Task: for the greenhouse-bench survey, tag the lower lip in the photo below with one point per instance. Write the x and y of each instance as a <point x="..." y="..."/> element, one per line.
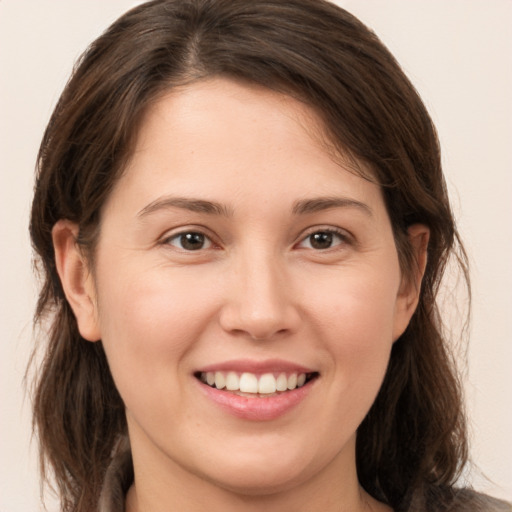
<point x="257" y="409"/>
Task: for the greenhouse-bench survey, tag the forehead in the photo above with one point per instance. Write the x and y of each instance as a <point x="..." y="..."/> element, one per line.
<point x="224" y="138"/>
<point x="235" y="109"/>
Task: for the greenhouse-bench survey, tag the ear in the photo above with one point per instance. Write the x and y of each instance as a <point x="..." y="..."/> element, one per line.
<point x="410" y="287"/>
<point x="76" y="279"/>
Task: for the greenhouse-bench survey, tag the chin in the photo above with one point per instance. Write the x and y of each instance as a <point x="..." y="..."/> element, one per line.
<point x="259" y="473"/>
<point x="259" y="481"/>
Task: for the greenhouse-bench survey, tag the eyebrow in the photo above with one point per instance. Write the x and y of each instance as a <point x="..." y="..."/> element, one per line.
<point x="325" y="203"/>
<point x="193" y="205"/>
<point x="301" y="207"/>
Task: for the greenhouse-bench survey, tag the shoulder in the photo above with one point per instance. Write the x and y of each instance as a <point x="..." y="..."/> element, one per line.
<point x="457" y="500"/>
<point x="467" y="500"/>
<point x="483" y="503"/>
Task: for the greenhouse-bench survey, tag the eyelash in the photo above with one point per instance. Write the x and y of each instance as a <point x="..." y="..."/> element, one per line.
<point x="343" y="239"/>
<point x="168" y="240"/>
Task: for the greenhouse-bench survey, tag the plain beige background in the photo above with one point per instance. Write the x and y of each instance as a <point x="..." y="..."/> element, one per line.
<point x="457" y="53"/>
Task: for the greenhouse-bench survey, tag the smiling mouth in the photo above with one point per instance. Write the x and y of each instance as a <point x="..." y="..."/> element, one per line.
<point x="254" y="385"/>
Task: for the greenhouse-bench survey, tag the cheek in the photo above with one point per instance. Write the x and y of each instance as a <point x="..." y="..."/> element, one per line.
<point x="351" y="319"/>
<point x="358" y="301"/>
<point x="354" y="313"/>
<point x="150" y="323"/>
<point x="149" y="320"/>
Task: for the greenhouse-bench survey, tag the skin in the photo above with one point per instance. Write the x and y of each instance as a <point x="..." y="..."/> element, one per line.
<point x="257" y="289"/>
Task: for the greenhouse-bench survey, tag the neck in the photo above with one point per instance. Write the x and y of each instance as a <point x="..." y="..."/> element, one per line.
<point x="364" y="503"/>
<point x="240" y="503"/>
<point x="161" y="485"/>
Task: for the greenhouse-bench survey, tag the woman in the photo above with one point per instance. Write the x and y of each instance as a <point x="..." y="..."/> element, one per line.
<point x="242" y="221"/>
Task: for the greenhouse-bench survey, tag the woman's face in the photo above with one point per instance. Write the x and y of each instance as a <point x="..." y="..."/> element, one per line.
<point x="236" y="248"/>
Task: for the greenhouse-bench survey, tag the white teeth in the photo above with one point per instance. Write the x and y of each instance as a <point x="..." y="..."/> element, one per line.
<point x="220" y="380"/>
<point x="266" y="384"/>
<point x="292" y="381"/>
<point x="232" y="382"/>
<point x="282" y="382"/>
<point x="248" y="383"/>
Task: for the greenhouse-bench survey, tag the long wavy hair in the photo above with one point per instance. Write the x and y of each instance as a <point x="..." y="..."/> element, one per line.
<point x="412" y="444"/>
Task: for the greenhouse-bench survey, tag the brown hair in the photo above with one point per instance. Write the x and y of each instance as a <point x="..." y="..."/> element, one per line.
<point x="412" y="444"/>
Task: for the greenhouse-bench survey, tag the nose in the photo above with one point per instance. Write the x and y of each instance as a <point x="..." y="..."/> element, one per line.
<point x="259" y="302"/>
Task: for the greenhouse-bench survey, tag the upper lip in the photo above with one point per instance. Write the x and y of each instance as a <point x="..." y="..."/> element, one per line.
<point x="257" y="367"/>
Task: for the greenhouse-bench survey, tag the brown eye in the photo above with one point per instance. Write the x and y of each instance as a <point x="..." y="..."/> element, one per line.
<point x="321" y="240"/>
<point x="190" y="241"/>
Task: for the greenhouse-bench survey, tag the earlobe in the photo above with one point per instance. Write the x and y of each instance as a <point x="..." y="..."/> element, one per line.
<point x="410" y="287"/>
<point x="76" y="278"/>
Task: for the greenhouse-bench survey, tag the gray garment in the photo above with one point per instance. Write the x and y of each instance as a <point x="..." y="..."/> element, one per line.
<point x="119" y="478"/>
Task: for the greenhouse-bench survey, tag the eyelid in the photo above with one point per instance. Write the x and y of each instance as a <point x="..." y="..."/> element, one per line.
<point x="343" y="234"/>
<point x="182" y="230"/>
